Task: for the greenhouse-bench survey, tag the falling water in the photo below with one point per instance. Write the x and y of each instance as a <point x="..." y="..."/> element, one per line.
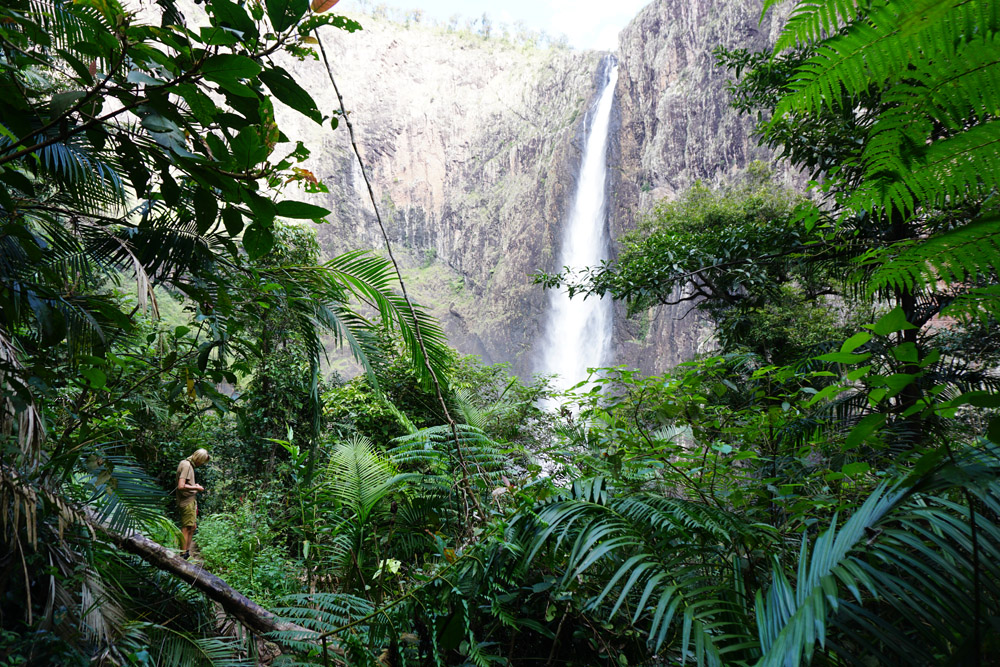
<point x="578" y="332"/>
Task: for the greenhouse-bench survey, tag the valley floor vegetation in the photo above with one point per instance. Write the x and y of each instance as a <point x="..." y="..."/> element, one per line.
<point x="824" y="489"/>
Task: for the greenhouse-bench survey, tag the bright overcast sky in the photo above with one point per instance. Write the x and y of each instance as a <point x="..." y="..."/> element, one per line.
<point x="589" y="24"/>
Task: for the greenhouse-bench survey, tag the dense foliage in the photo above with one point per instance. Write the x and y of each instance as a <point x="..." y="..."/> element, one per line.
<point x="823" y="489"/>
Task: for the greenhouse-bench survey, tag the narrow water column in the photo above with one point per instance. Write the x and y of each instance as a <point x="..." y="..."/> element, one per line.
<point x="578" y="331"/>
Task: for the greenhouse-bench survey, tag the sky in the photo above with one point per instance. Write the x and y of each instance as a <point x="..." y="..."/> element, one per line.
<point x="588" y="24"/>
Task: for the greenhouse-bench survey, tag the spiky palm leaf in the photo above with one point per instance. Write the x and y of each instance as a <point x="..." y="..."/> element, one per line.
<point x="911" y="553"/>
<point x="666" y="564"/>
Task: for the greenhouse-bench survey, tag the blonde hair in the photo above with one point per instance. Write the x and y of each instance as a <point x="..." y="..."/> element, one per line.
<point x="199" y="457"/>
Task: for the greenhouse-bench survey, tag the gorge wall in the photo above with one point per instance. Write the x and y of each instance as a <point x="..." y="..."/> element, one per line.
<point x="472" y="146"/>
<point x="676" y="127"/>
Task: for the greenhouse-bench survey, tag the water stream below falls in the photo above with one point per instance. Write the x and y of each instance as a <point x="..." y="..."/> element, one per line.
<point x="578" y="331"/>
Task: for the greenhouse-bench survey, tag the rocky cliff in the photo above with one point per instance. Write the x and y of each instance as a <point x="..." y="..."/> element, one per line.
<point x="472" y="147"/>
<point x="675" y="128"/>
<point x="473" y="144"/>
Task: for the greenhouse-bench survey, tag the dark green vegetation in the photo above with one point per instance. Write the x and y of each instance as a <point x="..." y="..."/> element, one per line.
<point x="823" y="491"/>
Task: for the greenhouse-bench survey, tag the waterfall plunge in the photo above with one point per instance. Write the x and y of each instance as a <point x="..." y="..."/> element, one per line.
<point x="578" y="331"/>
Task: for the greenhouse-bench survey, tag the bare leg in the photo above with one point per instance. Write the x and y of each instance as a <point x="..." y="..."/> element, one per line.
<point x="188" y="534"/>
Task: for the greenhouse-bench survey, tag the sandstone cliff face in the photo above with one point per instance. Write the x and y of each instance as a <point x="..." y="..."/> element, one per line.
<point x="472" y="147"/>
<point x="675" y="128"/>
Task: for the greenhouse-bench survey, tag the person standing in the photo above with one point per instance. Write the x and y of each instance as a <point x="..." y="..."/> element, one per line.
<point x="187" y="503"/>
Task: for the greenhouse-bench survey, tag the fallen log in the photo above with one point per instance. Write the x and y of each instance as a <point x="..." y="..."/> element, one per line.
<point x="243" y="609"/>
<point x="239" y="606"/>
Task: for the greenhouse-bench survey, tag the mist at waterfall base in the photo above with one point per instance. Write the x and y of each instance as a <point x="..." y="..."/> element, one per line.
<point x="578" y="331"/>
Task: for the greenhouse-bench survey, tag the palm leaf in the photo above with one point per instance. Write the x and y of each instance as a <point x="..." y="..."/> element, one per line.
<point x="908" y="549"/>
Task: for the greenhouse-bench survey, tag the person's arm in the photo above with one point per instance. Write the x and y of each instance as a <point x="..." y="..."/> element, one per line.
<point x="183" y="485"/>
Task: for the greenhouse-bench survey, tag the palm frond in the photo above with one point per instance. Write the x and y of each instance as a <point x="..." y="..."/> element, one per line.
<point x="174" y="648"/>
<point x="125" y="498"/>
<point x="656" y="566"/>
<point x="370" y="278"/>
<point x="907" y="548"/>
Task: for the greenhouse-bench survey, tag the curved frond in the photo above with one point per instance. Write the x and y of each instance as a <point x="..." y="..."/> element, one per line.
<point x="906" y="549"/>
<point x="656" y="565"/>
<point x="965" y="254"/>
<point x="358" y="476"/>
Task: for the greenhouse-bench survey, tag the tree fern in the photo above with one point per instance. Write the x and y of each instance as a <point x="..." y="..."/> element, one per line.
<point x="960" y="256"/>
<point x="812" y="21"/>
<point x="933" y="70"/>
<point x="920" y="82"/>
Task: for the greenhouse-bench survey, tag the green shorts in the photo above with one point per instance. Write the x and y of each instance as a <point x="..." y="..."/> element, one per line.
<point x="189" y="515"/>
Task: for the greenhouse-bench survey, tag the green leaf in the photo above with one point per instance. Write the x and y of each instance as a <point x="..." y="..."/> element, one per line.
<point x="81" y="70"/>
<point x="895" y="382"/>
<point x="843" y="357"/>
<point x="155" y="122"/>
<point x="262" y="207"/>
<point x="286" y="89"/>
<point x="95" y="377"/>
<point x="229" y="14"/>
<point x="300" y="210"/>
<point x="858" y="373"/>
<point x="906" y="352"/>
<point x="993" y="431"/>
<point x="169" y="188"/>
<point x="218" y="37"/>
<point x="206" y="208"/>
<point x="247" y="149"/>
<point x="201" y="105"/>
<point x="18" y="180"/>
<point x="856" y="468"/>
<point x="864" y="429"/>
<point x="855" y="341"/>
<point x="979" y="399"/>
<point x="63" y="101"/>
<point x="258" y="240"/>
<point x="894" y="320"/>
<point x="233" y="220"/>
<point x="286" y="13"/>
<point x="229" y="67"/>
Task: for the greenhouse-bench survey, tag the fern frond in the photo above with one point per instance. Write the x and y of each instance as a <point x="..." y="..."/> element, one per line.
<point x="963" y="166"/>
<point x="813" y="21"/>
<point x="961" y="255"/>
<point x="877" y="49"/>
<point x="323" y="612"/>
<point x="358" y="476"/>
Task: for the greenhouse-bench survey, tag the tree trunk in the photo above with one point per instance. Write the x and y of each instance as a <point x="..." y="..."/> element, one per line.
<point x="243" y="609"/>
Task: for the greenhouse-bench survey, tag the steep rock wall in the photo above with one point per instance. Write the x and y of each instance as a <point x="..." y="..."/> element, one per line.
<point x="472" y="147"/>
<point x="675" y="127"/>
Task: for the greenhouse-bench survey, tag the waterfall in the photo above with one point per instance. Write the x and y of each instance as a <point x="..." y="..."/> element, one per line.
<point x="578" y="331"/>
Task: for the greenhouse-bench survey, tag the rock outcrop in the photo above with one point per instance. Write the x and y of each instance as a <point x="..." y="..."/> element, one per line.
<point x="676" y="128"/>
<point x="473" y="145"/>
